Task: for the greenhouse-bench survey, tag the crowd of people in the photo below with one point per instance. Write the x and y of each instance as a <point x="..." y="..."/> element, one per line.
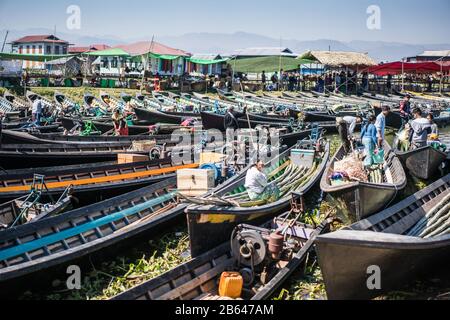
<point x="418" y="130"/>
<point x="345" y="82"/>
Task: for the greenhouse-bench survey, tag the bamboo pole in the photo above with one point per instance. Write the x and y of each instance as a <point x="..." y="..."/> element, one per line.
<point x="403" y="74"/>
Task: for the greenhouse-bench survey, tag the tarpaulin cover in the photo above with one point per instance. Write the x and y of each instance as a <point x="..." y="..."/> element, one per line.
<point x="395" y="68"/>
<point x="207" y="62"/>
<point x="115" y="52"/>
<point x="268" y="64"/>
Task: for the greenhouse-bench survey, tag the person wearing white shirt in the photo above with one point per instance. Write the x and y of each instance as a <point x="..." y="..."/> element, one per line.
<point x="352" y="122"/>
<point x="256" y="181"/>
<point x="36" y="110"/>
<point x="380" y="124"/>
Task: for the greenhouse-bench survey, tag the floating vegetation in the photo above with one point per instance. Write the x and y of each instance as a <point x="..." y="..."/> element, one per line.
<point x="113" y="277"/>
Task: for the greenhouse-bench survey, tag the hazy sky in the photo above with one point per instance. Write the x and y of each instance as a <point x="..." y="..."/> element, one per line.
<point x="407" y="21"/>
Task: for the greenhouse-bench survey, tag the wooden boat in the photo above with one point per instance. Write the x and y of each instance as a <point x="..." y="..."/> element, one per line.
<point x="312" y="116"/>
<point x="226" y="96"/>
<point x="155" y="116"/>
<point x="215" y="121"/>
<point x="199" y="278"/>
<point x="210" y="224"/>
<point x="6" y="106"/>
<point x="105" y="127"/>
<point x="29" y="209"/>
<point x="134" y="101"/>
<point x="63" y="101"/>
<point x="18" y="103"/>
<point x="358" y="200"/>
<point x="27" y="250"/>
<point x="41" y="155"/>
<point x="14" y="137"/>
<point x="26" y="126"/>
<point x="30" y="249"/>
<point x="30" y="95"/>
<point x="423" y="162"/>
<point x="346" y="256"/>
<point x="108" y="100"/>
<point x="92" y="102"/>
<point x="90" y="181"/>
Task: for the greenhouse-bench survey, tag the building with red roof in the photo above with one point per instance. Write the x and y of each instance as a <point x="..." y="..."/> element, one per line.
<point x="91" y="48"/>
<point x="39" y="45"/>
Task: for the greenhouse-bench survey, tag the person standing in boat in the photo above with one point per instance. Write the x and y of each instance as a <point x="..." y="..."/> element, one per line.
<point x="380" y="124"/>
<point x="421" y="128"/>
<point x="36" y="110"/>
<point x="346" y="128"/>
<point x="434" y="126"/>
<point x="369" y="140"/>
<point x="120" y="123"/>
<point x="352" y="122"/>
<point x="405" y="110"/>
<point x="257" y="185"/>
<point x="263" y="80"/>
<point x="231" y="122"/>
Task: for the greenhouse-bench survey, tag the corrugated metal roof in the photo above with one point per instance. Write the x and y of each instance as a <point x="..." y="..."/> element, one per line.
<point x="206" y="56"/>
<point x="40" y="38"/>
<point x="264" y="51"/>
<point x="143" y="47"/>
<point x="437" y="54"/>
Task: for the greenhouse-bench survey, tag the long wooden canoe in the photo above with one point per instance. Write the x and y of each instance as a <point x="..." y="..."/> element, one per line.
<point x="56" y="242"/>
<point x="42" y="155"/>
<point x="198" y="279"/>
<point x="423" y="162"/>
<point x="90" y="181"/>
<point x="380" y="244"/>
<point x="210" y="225"/>
<point x="358" y="200"/>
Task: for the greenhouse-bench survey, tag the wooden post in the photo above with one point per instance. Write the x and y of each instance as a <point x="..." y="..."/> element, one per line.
<point x="403" y="74"/>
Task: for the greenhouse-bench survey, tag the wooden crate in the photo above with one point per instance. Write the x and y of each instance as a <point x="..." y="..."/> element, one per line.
<point x="123" y="158"/>
<point x="143" y="146"/>
<point x="195" y="182"/>
<point x="211" y="157"/>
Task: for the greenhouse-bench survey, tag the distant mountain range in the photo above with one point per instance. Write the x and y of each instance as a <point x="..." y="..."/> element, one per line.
<point x="226" y="43"/>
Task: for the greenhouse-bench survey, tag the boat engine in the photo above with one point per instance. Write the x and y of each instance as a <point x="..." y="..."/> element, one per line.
<point x="260" y="252"/>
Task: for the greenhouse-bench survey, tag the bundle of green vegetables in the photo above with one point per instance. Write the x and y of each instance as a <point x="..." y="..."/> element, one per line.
<point x="436" y="222"/>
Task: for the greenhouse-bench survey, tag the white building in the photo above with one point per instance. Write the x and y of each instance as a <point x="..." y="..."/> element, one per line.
<point x="39" y="45"/>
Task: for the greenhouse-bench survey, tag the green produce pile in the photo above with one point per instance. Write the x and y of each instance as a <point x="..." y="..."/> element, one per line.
<point x="125" y="272"/>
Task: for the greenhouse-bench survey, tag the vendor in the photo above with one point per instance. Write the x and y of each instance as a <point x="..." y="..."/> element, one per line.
<point x="405" y="110"/>
<point x="120" y="123"/>
<point x="351" y="124"/>
<point x="421" y="128"/>
<point x="434" y="126"/>
<point x="231" y="122"/>
<point x="380" y="124"/>
<point x="257" y="185"/>
<point x="342" y="127"/>
<point x="369" y="140"/>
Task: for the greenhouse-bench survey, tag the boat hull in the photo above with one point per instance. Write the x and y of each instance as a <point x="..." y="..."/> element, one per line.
<point x="348" y="257"/>
<point x="209" y="226"/>
<point x="424" y="162"/>
<point x="358" y="200"/>
<point x="398" y="258"/>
